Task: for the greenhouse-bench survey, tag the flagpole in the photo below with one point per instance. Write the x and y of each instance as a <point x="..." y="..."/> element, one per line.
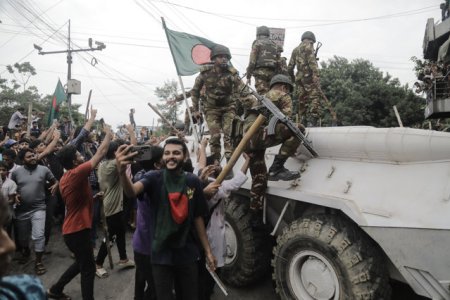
<point x="194" y="129"/>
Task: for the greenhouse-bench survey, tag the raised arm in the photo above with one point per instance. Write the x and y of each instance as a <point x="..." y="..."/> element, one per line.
<point x="103" y="148"/>
<point x="51" y="147"/>
<point x="85" y="130"/>
<point x="133" y="139"/>
<point x="124" y="157"/>
<point x="91" y="120"/>
<point x="44" y="134"/>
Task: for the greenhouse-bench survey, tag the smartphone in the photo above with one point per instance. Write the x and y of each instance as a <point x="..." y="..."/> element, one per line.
<point x="144" y="152"/>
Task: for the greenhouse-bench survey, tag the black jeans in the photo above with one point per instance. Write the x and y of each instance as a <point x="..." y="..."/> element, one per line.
<point x="116" y="226"/>
<point x="80" y="244"/>
<point x="144" y="286"/>
<point x="185" y="275"/>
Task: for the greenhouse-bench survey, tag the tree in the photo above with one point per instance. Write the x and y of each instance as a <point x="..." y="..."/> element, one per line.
<point x="15" y="92"/>
<point x="22" y="72"/>
<point x="170" y="112"/>
<point x="362" y="95"/>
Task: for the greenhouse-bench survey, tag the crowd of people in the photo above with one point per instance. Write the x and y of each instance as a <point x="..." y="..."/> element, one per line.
<point x="86" y="178"/>
<point x="84" y="175"/>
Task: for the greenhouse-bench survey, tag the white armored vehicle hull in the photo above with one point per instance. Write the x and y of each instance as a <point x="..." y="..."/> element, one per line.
<point x="374" y="205"/>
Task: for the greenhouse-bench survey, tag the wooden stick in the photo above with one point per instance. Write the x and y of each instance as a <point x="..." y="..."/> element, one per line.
<point x="86" y="114"/>
<point x="399" y="120"/>
<point x="163" y="118"/>
<point x="240" y="148"/>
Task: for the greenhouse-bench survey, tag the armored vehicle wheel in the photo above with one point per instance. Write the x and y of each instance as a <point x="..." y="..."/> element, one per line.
<point x="248" y="251"/>
<point x="328" y="257"/>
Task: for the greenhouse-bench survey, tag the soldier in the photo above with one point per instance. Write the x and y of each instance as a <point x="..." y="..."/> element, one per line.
<point x="307" y="79"/>
<point x="280" y="87"/>
<point x="263" y="60"/>
<point x="282" y="67"/>
<point x="221" y="83"/>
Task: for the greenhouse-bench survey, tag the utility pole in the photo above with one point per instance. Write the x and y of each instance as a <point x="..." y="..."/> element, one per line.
<point x="69" y="51"/>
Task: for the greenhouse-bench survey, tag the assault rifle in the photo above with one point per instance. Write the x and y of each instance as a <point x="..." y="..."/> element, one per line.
<point x="319" y="44"/>
<point x="278" y="116"/>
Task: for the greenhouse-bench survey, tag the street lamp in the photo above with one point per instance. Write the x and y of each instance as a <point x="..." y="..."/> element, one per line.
<point x="39" y="48"/>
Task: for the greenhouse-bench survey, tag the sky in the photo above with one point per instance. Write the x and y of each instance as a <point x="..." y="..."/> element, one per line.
<point x="137" y="58"/>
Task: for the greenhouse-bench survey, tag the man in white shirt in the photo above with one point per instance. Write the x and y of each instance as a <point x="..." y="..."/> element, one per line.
<point x="16" y="119"/>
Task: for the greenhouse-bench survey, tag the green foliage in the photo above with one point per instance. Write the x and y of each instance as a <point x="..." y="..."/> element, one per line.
<point x="15" y="93"/>
<point x="170" y="112"/>
<point x="21" y="72"/>
<point x="362" y="95"/>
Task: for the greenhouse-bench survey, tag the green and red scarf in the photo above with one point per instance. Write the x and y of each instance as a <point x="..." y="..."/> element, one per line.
<point x="174" y="213"/>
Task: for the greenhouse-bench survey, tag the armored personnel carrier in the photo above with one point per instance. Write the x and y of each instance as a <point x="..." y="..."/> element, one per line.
<point x="373" y="206"/>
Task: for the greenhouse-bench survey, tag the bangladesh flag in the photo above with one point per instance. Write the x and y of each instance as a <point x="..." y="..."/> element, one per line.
<point x="189" y="52"/>
<point x="58" y="97"/>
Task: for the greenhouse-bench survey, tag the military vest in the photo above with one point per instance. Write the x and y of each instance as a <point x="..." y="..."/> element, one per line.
<point x="267" y="56"/>
<point x="219" y="87"/>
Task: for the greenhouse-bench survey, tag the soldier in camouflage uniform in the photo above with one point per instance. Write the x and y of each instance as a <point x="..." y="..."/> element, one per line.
<point x="282" y="67"/>
<point x="307" y="79"/>
<point x="263" y="60"/>
<point x="221" y="83"/>
<point x="280" y="87"/>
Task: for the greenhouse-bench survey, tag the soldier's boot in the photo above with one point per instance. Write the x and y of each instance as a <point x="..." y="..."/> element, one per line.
<point x="278" y="172"/>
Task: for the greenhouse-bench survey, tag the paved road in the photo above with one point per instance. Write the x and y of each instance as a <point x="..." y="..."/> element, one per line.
<point x="120" y="283"/>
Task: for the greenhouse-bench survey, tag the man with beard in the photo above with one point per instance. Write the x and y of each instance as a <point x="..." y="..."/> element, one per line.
<point x="179" y="207"/>
<point x="15" y="286"/>
<point x="221" y="83"/>
<point x="45" y="155"/>
<point x="77" y="196"/>
<point x="9" y="157"/>
<point x="31" y="180"/>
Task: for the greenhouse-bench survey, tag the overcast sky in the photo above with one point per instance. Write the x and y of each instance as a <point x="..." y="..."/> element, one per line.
<point x="137" y="58"/>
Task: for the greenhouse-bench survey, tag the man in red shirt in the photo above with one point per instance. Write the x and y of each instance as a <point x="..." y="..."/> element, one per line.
<point x="77" y="196"/>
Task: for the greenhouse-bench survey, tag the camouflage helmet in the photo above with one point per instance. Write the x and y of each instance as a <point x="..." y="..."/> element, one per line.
<point x="263" y="30"/>
<point x="220" y="50"/>
<point x="309" y="35"/>
<point x="280" y="78"/>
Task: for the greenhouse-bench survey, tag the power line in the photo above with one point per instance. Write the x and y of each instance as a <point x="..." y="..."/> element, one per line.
<point x="10" y="39"/>
<point x="339" y="21"/>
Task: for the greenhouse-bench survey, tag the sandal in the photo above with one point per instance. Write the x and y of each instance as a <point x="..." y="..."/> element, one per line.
<point x="39" y="269"/>
<point x="60" y="296"/>
<point x="101" y="273"/>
